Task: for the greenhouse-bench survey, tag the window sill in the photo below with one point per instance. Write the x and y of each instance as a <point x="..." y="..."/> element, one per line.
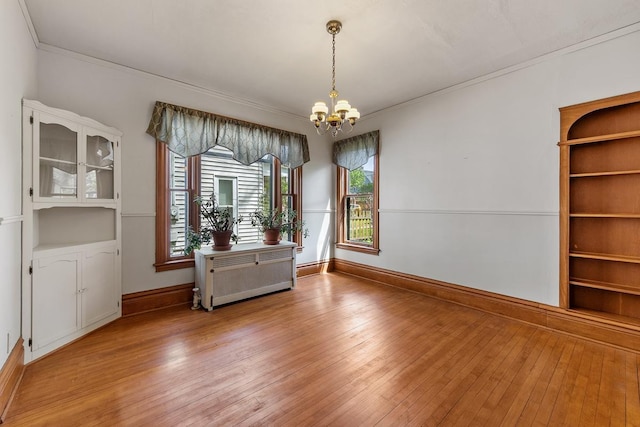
<point x="358" y="248"/>
<point x="175" y="264"/>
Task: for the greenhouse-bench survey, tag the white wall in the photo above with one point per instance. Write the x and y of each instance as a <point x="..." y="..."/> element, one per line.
<point x="478" y="168"/>
<point x="472" y="169"/>
<point x="17" y="80"/>
<point x="124" y="99"/>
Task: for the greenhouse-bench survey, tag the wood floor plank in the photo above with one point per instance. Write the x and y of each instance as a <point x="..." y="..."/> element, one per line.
<point x="485" y="373"/>
<point x="564" y="397"/>
<point x="337" y="350"/>
<point x="632" y="392"/>
<point x="556" y="381"/>
<point x="542" y="376"/>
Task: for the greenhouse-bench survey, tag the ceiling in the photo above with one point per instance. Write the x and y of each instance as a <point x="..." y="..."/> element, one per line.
<point x="277" y="54"/>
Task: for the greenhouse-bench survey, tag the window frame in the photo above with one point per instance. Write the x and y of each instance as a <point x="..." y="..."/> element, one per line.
<point x="163" y="260"/>
<point x="342" y="192"/>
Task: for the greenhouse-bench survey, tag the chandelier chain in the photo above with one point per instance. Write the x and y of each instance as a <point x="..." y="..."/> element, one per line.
<point x="333" y="69"/>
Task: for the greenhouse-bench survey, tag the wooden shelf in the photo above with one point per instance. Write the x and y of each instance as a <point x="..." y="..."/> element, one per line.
<point x="614" y="287"/>
<point x="614" y="318"/>
<point x="605" y="215"/>
<point x="605" y="257"/>
<point x="601" y="138"/>
<point x="609" y="173"/>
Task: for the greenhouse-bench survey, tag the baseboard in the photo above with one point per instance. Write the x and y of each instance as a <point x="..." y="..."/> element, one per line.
<point x="567" y="321"/>
<point x="310" y="268"/>
<point x="10" y="376"/>
<point x="140" y="302"/>
<point x="155" y="299"/>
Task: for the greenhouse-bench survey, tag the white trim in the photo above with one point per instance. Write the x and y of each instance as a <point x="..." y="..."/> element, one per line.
<point x="188" y="86"/>
<point x="29" y="22"/>
<point x="139" y="215"/>
<point x="465" y="212"/>
<point x="11" y="219"/>
<point x="317" y="211"/>
<point x="632" y="28"/>
<point x="56" y="113"/>
<point x="620" y="32"/>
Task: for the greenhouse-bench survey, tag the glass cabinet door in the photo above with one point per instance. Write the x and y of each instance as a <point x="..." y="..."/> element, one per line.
<point x="99" y="164"/>
<point x="57" y="161"/>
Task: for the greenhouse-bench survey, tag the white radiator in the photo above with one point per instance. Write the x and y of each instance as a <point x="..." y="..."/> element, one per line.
<point x="244" y="271"/>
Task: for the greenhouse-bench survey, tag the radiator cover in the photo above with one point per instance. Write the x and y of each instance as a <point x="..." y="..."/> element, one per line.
<point x="244" y="271"/>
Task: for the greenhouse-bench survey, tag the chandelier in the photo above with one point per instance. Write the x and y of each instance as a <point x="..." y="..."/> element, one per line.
<point x="343" y="117"/>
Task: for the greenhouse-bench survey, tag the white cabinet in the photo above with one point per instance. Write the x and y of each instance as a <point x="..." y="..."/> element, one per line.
<point x="244" y="271"/>
<point x="72" y="227"/>
<point x="74" y="288"/>
<point x="99" y="290"/>
<point x="75" y="159"/>
<point x="55" y="304"/>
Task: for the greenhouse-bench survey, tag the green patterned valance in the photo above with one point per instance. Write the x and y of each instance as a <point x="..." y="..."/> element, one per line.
<point x="351" y="153"/>
<point x="190" y="132"/>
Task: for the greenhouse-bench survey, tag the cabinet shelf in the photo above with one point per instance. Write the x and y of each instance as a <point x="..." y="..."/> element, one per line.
<point x="74" y="203"/>
<point x="605" y="285"/>
<point x="110" y="167"/>
<point x="58" y="161"/>
<point x="605" y="215"/>
<point x="605" y="257"/>
<point x="52" y="249"/>
<point x="601" y="138"/>
<point x="608" y="173"/>
<point x="614" y="318"/>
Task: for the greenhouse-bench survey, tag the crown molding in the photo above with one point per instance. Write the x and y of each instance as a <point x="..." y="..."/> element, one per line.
<point x="151" y="76"/>
<point x="27" y="20"/>
<point x="603" y="38"/>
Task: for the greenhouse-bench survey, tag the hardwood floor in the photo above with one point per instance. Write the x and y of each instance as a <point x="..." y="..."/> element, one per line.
<point x="337" y="350"/>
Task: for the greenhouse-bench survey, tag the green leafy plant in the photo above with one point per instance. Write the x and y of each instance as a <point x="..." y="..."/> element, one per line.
<point x="273" y="219"/>
<point x="216" y="219"/>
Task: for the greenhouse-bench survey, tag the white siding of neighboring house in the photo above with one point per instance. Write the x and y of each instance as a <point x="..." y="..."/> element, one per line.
<point x="249" y="188"/>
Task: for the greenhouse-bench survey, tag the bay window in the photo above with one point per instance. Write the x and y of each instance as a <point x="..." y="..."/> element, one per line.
<point x="245" y="166"/>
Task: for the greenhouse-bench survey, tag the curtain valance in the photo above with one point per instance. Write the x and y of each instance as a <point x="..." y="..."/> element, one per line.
<point x="351" y="153"/>
<point x="189" y="132"/>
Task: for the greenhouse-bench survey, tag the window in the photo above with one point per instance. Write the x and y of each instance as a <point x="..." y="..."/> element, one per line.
<point x="357" y="204"/>
<point x="236" y="186"/>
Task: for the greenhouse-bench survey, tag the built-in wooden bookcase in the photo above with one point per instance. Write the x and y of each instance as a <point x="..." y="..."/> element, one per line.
<point x="600" y="207"/>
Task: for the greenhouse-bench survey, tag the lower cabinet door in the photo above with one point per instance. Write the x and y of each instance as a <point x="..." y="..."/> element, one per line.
<point x="56" y="306"/>
<point x="99" y="286"/>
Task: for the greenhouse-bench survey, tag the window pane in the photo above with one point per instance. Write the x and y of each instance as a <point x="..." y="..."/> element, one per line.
<point x="359" y="223"/>
<point x="225" y="192"/>
<point x="359" y="219"/>
<point x="244" y="188"/>
<point x="99" y="172"/>
<point x="58" y="161"/>
<point x="361" y="179"/>
<point x="267" y="196"/>
<point x="178" y="214"/>
<point x="178" y="171"/>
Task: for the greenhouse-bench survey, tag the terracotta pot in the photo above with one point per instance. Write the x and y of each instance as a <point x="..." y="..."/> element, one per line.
<point x="271" y="236"/>
<point x="221" y="240"/>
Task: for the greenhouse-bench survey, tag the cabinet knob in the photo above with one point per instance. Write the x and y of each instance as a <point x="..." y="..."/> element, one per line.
<point x="211" y="271"/>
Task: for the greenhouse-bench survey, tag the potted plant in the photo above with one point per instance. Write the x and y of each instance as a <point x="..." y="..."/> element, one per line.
<point x="219" y="225"/>
<point x="274" y="222"/>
